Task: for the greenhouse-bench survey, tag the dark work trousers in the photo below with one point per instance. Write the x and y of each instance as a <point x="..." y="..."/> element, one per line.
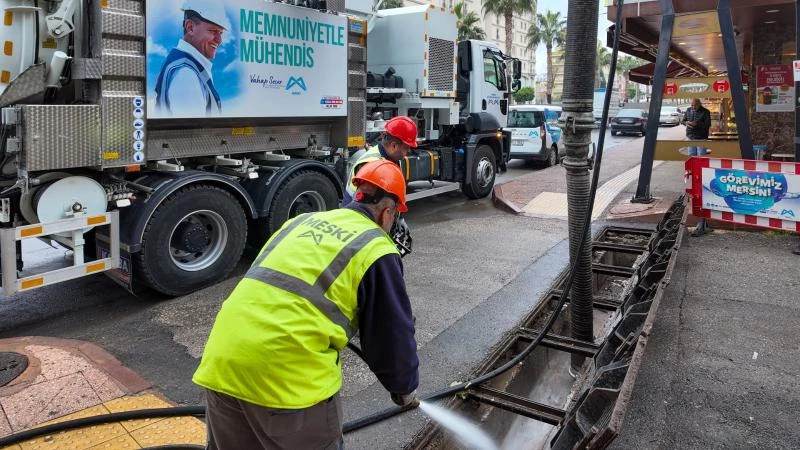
<point x="234" y="424"/>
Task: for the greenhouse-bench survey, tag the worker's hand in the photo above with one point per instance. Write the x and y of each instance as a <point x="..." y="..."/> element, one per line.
<point x="406" y="401"/>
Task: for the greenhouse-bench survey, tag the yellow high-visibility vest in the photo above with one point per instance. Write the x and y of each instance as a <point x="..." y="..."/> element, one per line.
<point x="276" y="339"/>
<point x="372" y="154"/>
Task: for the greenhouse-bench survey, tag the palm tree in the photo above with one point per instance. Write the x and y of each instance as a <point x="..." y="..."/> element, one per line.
<point x="603" y="61"/>
<point x="547" y="29"/>
<point x="507" y="9"/>
<point x="624" y="65"/>
<point x="468" y="23"/>
<point x="389" y="4"/>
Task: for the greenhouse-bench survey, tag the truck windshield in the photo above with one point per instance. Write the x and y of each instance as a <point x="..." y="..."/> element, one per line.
<point x="524" y="119"/>
<point x="494" y="70"/>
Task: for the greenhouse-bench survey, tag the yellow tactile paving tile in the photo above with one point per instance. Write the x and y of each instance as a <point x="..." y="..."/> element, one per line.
<point x="120" y="443"/>
<point x="147" y="401"/>
<point x="549" y="204"/>
<point x="173" y="430"/>
<point x="98" y="410"/>
<point x="78" y="439"/>
<point x="132" y="434"/>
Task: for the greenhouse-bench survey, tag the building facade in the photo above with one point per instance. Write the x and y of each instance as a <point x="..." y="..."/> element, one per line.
<point x="495" y="29"/>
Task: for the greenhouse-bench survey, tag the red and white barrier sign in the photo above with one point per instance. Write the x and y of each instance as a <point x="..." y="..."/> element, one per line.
<point x="758" y="193"/>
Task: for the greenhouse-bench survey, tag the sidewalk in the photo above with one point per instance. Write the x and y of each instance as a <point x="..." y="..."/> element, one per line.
<point x="543" y="193"/>
<point x="722" y="367"/>
<point x="67" y="379"/>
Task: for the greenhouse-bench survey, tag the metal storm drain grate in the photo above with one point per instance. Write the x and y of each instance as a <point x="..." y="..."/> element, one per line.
<point x="537" y="404"/>
<point x="11" y="366"/>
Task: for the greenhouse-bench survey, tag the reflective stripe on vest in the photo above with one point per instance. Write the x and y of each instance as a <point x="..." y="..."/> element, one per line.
<point x="314" y="293"/>
<point x="373" y="154"/>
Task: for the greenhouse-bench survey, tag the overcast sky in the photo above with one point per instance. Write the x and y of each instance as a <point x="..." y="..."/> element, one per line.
<point x="561" y="6"/>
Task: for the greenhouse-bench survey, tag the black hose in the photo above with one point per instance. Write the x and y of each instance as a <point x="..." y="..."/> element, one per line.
<point x="36" y="31"/>
<point x="176" y="447"/>
<point x="178" y="411"/>
<point x="133" y="184"/>
<point x="390" y="412"/>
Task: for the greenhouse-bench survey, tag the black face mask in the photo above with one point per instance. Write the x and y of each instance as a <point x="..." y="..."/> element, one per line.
<point x="401" y="235"/>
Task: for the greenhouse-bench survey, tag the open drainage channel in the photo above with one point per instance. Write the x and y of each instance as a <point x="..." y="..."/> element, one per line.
<point x="537" y="404"/>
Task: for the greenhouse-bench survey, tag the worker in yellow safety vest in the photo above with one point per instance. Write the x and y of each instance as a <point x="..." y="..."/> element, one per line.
<point x="271" y="367"/>
<point x="399" y="137"/>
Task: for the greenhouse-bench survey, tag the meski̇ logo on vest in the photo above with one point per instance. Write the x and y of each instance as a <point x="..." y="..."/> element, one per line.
<point x="242" y="58"/>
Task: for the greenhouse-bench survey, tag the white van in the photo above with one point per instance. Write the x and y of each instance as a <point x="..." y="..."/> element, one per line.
<point x="535" y="135"/>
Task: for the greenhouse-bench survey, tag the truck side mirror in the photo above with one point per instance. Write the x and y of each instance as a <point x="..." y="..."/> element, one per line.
<point x="516" y="69"/>
<point x="516" y="85"/>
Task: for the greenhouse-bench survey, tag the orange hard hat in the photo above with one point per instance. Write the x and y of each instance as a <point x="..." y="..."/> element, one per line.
<point x="404" y="129"/>
<point x="387" y="176"/>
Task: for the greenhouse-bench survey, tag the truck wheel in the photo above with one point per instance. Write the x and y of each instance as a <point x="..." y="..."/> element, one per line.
<point x="484" y="169"/>
<point x="305" y="191"/>
<point x="193" y="240"/>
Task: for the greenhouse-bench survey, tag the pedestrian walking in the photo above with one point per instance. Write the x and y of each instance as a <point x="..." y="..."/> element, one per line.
<point x="271" y="366"/>
<point x="399" y="137"/>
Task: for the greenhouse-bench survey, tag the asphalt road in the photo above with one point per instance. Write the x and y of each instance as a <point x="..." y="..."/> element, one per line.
<point x="465" y="251"/>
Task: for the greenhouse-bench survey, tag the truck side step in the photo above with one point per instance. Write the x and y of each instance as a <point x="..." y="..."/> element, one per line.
<point x="8" y="252"/>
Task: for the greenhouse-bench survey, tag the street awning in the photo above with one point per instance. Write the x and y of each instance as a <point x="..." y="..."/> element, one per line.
<point x="644" y="73"/>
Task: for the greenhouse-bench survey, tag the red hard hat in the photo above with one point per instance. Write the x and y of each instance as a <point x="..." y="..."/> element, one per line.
<point x="404" y="129"/>
<point x="387" y="176"/>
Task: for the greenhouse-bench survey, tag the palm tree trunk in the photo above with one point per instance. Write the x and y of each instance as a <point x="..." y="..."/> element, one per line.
<point x="550" y="80"/>
<point x="509" y="16"/>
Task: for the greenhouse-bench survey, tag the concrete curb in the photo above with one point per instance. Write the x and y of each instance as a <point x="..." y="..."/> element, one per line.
<point x="500" y="201"/>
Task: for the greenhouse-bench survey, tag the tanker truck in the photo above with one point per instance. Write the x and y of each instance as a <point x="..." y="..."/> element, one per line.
<point x="153" y="139"/>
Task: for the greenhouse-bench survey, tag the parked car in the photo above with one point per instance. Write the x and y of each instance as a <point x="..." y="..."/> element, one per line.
<point x="670" y="115"/>
<point x="535" y="135"/>
<point x="629" y="121"/>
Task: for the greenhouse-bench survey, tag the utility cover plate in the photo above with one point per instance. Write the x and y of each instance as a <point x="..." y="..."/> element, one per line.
<point x="11" y="366"/>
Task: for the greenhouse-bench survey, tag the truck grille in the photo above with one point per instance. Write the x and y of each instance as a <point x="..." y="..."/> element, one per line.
<point x="441" y="65"/>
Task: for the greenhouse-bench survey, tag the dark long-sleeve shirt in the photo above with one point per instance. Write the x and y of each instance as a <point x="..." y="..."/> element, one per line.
<point x="703" y="118"/>
<point x="386" y="325"/>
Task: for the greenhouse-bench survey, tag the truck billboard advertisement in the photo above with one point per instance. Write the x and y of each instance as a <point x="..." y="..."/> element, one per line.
<point x="244" y="58"/>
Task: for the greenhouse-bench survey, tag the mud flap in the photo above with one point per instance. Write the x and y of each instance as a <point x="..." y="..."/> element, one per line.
<point x="122" y="276"/>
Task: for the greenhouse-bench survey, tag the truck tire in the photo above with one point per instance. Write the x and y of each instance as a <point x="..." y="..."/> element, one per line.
<point x="194" y="239"/>
<point x="484" y="171"/>
<point x="305" y="191"/>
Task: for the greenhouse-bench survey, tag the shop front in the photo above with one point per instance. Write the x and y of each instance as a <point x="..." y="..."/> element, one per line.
<point x="735" y="56"/>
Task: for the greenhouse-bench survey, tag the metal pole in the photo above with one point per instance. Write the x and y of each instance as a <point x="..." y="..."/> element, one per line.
<point x="577" y="121"/>
<point x="797" y="85"/>
<point x="659" y="77"/>
<point x="735" y="78"/>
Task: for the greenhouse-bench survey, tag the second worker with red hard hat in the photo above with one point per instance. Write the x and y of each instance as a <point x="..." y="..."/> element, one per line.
<point x="399" y="137"/>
